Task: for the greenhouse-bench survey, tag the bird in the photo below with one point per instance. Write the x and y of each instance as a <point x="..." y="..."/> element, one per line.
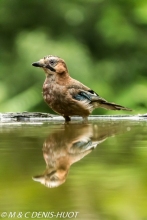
<point x="67" y="96"/>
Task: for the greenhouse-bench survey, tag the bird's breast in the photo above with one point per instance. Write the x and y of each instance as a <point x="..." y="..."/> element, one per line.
<point x="54" y="96"/>
<point x="47" y="92"/>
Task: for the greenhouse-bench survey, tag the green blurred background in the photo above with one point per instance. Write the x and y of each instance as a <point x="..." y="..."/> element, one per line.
<point x="104" y="43"/>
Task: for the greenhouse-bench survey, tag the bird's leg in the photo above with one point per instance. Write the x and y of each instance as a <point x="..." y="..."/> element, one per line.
<point x="67" y="119"/>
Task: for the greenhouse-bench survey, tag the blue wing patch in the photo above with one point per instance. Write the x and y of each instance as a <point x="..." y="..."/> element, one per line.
<point x="82" y="145"/>
<point x="81" y="96"/>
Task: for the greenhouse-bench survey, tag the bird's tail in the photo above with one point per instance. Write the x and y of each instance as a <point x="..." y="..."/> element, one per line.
<point x="112" y="106"/>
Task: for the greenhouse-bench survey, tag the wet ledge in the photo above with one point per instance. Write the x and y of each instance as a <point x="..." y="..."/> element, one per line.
<point x="10" y="117"/>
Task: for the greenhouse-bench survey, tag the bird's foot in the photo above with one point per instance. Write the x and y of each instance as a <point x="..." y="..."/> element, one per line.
<point x="67" y="119"/>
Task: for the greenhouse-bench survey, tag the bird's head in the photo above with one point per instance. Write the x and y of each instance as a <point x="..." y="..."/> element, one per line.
<point x="51" y="65"/>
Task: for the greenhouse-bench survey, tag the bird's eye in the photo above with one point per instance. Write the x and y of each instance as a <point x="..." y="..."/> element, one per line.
<point x="52" y="62"/>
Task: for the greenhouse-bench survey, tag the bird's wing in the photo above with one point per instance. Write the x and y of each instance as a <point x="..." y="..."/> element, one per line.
<point x="80" y="92"/>
<point x="88" y="95"/>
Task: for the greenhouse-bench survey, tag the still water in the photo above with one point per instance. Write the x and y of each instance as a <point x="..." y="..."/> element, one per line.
<point x="77" y="171"/>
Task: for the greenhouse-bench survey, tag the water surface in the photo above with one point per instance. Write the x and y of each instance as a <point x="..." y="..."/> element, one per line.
<point x="97" y="170"/>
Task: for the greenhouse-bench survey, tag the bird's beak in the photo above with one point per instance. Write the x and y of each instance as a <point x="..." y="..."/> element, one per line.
<point x="37" y="64"/>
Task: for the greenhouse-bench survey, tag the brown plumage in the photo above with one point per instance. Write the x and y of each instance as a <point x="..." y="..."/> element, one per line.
<point x="67" y="96"/>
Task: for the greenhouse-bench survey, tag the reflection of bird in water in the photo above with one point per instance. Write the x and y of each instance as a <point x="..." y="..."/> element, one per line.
<point x="68" y="145"/>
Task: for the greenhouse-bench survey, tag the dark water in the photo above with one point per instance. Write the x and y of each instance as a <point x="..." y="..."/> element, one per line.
<point x="77" y="171"/>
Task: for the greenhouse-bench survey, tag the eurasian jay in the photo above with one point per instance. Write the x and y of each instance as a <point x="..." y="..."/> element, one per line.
<point x="67" y="96"/>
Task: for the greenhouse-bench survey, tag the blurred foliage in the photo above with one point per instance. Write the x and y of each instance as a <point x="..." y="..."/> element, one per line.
<point x="102" y="41"/>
